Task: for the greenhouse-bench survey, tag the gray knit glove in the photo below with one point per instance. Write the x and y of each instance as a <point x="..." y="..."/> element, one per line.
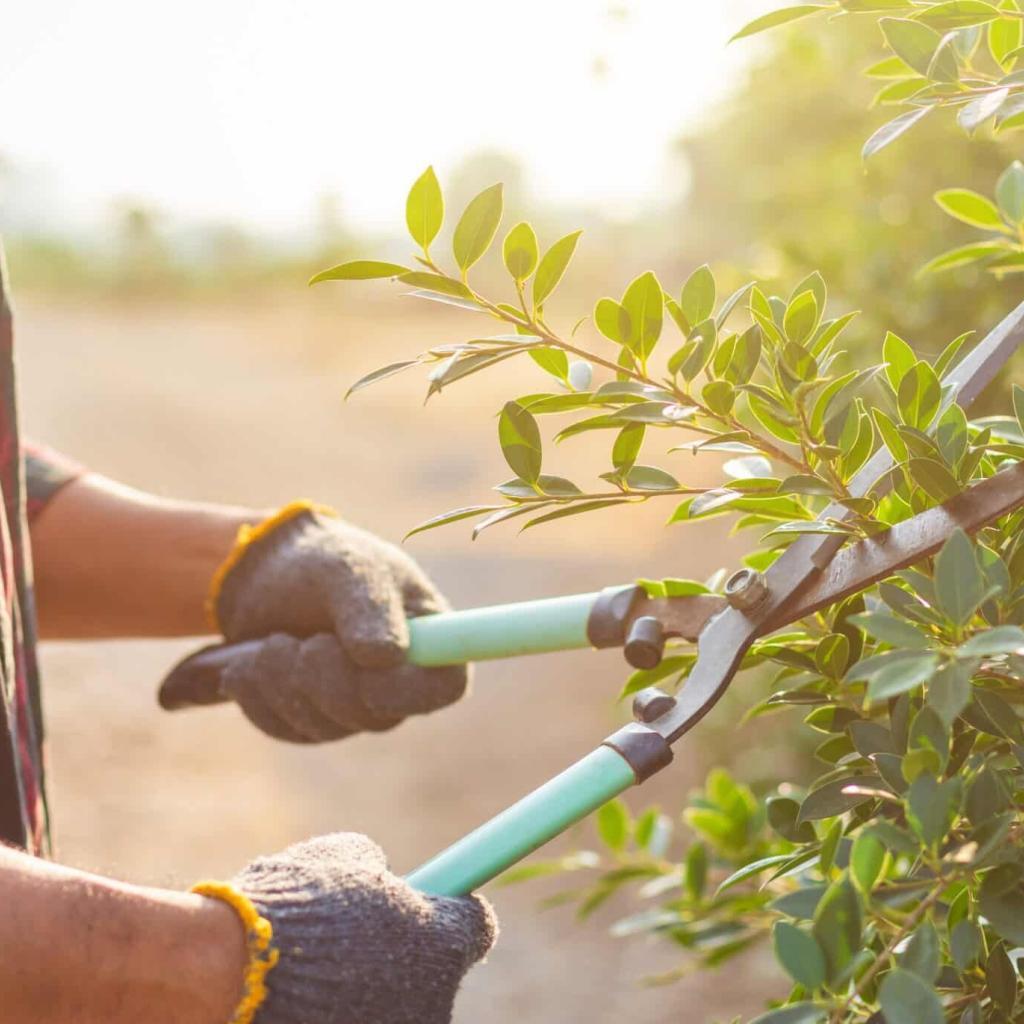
<point x="333" y="600"/>
<point x="357" y="944"/>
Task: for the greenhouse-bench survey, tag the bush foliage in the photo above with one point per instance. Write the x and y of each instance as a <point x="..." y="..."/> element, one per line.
<point x="891" y="884"/>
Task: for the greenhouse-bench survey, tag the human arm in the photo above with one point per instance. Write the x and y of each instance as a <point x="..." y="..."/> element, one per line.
<point x="78" y="947"/>
<point x="113" y="561"/>
<point x="333" y="936"/>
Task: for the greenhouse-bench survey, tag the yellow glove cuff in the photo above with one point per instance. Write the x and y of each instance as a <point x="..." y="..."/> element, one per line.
<point x="258" y="933"/>
<point x="247" y="535"/>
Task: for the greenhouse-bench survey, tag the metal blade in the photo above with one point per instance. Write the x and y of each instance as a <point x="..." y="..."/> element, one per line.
<point x="725" y="639"/>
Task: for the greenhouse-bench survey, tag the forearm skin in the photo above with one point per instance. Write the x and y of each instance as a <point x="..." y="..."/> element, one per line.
<point x="80" y="948"/>
<point x="111" y="561"/>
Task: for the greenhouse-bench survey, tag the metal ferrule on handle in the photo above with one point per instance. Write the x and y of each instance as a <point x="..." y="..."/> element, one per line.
<point x="522" y="828"/>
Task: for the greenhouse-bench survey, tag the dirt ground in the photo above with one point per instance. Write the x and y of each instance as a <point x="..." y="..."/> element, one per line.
<point x="243" y="403"/>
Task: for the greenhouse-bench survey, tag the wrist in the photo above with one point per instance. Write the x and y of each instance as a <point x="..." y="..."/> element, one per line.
<point x="249" y="954"/>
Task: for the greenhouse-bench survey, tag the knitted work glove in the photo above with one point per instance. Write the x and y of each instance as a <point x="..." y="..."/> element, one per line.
<point x="333" y="600"/>
<point x="350" y="942"/>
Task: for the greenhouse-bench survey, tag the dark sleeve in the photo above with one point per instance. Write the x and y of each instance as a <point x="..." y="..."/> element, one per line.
<point x="46" y="472"/>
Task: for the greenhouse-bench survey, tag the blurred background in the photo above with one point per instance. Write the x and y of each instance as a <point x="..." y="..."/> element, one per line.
<point x="167" y="184"/>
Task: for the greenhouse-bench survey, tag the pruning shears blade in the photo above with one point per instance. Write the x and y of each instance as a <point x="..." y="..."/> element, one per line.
<point x="728" y="634"/>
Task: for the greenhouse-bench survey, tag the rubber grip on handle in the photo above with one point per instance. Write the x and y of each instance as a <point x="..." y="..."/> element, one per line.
<point x="522" y="828"/>
<point x="447" y="638"/>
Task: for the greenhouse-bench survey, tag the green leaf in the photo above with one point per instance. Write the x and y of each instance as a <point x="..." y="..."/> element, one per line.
<point x="1003" y="908"/>
<point x="627" y="446"/>
<point x="424" y="209"/>
<point x="890" y="435"/>
<point x="891" y="630"/>
<point x="520" y="441"/>
<point x="837" y="927"/>
<point x="901" y="675"/>
<point x="575" y="510"/>
<point x="1001" y="979"/>
<point x="780" y="17"/>
<point x="998" y="640"/>
<point x="1010" y="191"/>
<point x="899" y="359"/>
<point x="932" y="806"/>
<point x="782" y="817"/>
<point x="831" y="799"/>
<point x="915" y="44"/>
<point x="954" y="14"/>
<point x="866" y="860"/>
<point x="799" y="954"/>
<point x="644" y="305"/>
<point x="933" y="478"/>
<point x="949" y="691"/>
<point x="695" y="870"/>
<point x="906" y="999"/>
<point x="965" y="944"/>
<point x="612" y="822"/>
<point x="436" y="283"/>
<point x="359" y="270"/>
<point x="381" y="374"/>
<point x="892" y="130"/>
<point x="551" y="360"/>
<point x="750" y="870"/>
<point x="977" y="112"/>
<point x="453" y="517"/>
<point x="650" y="478"/>
<point x="698" y="296"/>
<point x="520" y="251"/>
<point x="612" y="320"/>
<point x="922" y="955"/>
<point x="801" y="317"/>
<point x="919" y="396"/>
<point x="1018" y="405"/>
<point x="552" y="266"/>
<point x="477" y="226"/>
<point x="719" y="396"/>
<point x="1004" y="36"/>
<point x="959" y="582"/>
<point x="970" y="207"/>
<point x="963" y="255"/>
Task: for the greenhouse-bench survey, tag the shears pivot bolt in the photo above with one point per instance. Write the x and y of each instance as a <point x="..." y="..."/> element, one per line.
<point x="746" y="589"/>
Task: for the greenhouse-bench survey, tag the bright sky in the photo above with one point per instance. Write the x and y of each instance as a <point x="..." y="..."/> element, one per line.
<point x="250" y="109"/>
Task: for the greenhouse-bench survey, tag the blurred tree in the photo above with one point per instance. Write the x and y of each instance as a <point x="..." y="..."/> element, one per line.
<point x="776" y="190"/>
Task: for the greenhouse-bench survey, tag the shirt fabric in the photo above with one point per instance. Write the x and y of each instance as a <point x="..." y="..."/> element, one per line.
<point x="29" y="477"/>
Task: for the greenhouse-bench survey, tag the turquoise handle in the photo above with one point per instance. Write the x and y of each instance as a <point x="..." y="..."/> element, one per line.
<point x="501" y="631"/>
<point x="522" y="828"/>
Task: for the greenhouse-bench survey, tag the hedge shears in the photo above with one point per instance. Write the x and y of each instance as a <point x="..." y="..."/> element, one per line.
<point x="814" y="572"/>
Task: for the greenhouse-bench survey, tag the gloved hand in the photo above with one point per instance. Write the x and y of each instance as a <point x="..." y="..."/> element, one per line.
<point x="355" y="944"/>
<point x="333" y="600"/>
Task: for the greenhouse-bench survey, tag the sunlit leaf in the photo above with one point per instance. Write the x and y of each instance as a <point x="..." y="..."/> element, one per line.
<point x="359" y="270"/>
<point x="477" y="226"/>
<point x="779" y="17"/>
<point x="424" y="209"/>
<point x="520" y="251"/>
<point x="552" y="267"/>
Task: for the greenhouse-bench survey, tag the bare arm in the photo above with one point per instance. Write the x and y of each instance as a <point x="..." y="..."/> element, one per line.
<point x="77" y="947"/>
<point x="111" y="561"/>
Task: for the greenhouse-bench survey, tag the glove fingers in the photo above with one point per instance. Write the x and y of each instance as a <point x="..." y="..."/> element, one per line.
<point x="420" y="596"/>
<point x="329" y="682"/>
<point x="411" y="689"/>
<point x="368" y="614"/>
<point x="468" y="923"/>
<point x="267" y="685"/>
